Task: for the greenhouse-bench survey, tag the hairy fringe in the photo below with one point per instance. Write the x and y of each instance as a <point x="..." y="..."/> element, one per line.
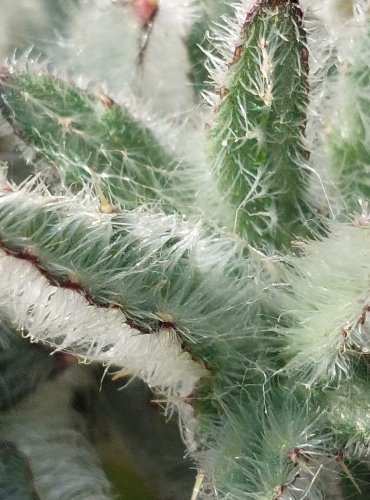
<point x="327" y="297"/>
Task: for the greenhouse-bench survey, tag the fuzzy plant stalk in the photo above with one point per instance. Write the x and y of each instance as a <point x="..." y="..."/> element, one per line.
<point x="184" y="194"/>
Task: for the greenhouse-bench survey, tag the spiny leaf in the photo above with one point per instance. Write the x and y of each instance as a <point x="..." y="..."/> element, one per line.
<point x="89" y="138"/>
<point x="347" y="136"/>
<point x="259" y="123"/>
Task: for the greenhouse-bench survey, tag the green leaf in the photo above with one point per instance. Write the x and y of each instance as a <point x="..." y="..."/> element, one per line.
<point x="89" y="138"/>
<point x="259" y="124"/>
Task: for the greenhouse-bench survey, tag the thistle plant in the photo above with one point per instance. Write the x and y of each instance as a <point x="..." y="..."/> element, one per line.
<point x="184" y="199"/>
